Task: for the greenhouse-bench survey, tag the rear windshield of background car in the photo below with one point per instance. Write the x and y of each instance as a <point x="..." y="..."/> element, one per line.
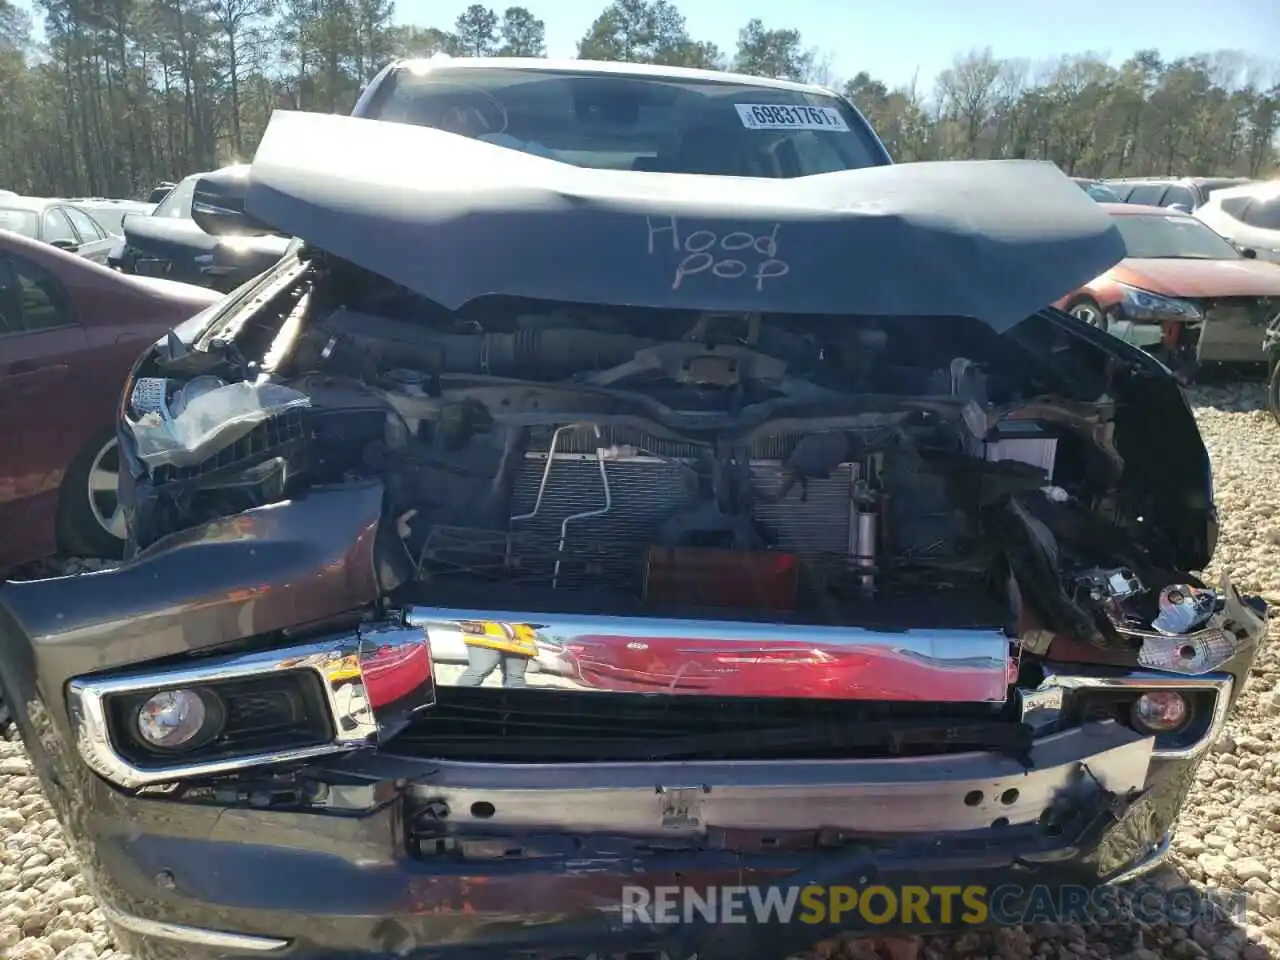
<point x="20" y="221"/>
<point x="1172" y="237"/>
<point x="621" y="122"/>
<point x="1264" y="214"/>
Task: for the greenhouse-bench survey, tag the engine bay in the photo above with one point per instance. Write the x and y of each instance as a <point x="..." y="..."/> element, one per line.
<point x="799" y="469"/>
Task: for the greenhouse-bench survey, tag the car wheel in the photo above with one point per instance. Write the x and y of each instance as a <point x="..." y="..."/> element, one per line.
<point x="1088" y="310"/>
<point x="90" y="521"/>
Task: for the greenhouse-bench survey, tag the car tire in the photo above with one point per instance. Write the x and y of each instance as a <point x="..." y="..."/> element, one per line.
<point x="1090" y="311"/>
<point x="90" y="523"/>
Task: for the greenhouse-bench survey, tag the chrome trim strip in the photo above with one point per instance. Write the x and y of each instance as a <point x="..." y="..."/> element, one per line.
<point x="1041" y="707"/>
<point x="968" y="791"/>
<point x="375" y="680"/>
<point x="193" y="936"/>
<point x="720" y="658"/>
<point x="1154" y="858"/>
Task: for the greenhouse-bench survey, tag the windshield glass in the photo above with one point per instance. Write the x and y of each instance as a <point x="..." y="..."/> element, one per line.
<point x="1172" y="238"/>
<point x="20" y="221"/>
<point x="1102" y="193"/>
<point x="621" y="122"/>
<point x="178" y="203"/>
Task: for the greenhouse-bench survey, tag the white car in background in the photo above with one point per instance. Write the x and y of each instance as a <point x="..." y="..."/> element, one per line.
<point x="1248" y="216"/>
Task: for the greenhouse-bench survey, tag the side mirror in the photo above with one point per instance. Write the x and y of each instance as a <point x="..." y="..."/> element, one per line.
<point x="1249" y="253"/>
<point x="217" y="205"/>
<point x="124" y="221"/>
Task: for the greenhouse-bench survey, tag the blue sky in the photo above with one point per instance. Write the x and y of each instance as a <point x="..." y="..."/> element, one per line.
<point x="895" y="39"/>
<point x="891" y="39"/>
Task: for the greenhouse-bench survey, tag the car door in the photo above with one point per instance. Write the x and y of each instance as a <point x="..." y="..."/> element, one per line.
<point x="168" y="243"/>
<point x="95" y="243"/>
<point x="42" y="345"/>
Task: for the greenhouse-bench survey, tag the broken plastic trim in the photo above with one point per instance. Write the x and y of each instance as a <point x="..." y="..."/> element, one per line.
<point x="1237" y="627"/>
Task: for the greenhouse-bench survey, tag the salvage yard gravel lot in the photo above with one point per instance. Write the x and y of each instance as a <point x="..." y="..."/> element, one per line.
<point x="1229" y="836"/>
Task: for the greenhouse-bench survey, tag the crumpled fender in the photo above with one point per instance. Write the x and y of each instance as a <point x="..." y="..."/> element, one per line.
<point x="279" y="566"/>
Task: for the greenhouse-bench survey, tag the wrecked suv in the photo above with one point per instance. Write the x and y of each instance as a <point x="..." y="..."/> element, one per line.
<point x="587" y="502"/>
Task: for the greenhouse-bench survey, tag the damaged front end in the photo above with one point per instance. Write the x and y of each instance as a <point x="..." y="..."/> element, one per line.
<point x="444" y="628"/>
<point x="420" y="615"/>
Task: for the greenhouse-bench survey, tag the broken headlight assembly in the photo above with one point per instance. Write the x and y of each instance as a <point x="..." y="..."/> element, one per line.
<point x="1181" y="628"/>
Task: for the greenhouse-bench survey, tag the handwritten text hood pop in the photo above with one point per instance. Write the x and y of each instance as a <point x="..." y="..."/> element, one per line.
<point x="453" y="218"/>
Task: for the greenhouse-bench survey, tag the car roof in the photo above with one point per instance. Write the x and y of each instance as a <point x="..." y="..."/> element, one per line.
<point x="33" y="204"/>
<point x="604" y="68"/>
<point x="1256" y="190"/>
<point x="1136" y="209"/>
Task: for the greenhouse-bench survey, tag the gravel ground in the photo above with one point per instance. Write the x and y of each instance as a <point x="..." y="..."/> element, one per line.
<point x="1229" y="835"/>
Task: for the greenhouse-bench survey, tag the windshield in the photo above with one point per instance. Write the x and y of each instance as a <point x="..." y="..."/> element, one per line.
<point x="1157" y="237"/>
<point x="178" y="203"/>
<point x="20" y="221"/>
<point x="621" y="122"/>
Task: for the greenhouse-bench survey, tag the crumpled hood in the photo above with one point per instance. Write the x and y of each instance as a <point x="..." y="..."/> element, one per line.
<point x="1201" y="278"/>
<point x="454" y="219"/>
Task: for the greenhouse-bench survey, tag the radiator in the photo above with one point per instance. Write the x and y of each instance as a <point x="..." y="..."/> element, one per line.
<point x="643" y="491"/>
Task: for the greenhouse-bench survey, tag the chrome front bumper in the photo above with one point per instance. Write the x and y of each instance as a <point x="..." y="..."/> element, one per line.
<point x="382" y="677"/>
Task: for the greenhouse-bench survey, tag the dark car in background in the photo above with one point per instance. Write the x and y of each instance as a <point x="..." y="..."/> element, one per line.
<point x="58" y="223"/>
<point x="169" y="243"/>
<point x="1097" y="189"/>
<point x="160" y="191"/>
<point x="583" y="357"/>
<point x="1186" y="193"/>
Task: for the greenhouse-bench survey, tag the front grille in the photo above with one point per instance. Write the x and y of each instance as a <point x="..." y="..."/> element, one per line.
<point x="275" y="436"/>
<point x="1234" y="328"/>
<point x="551" y="726"/>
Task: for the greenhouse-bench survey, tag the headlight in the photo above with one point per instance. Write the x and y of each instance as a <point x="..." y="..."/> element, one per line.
<point x="1141" y="304"/>
<point x="1160" y="711"/>
<point x="174" y="718"/>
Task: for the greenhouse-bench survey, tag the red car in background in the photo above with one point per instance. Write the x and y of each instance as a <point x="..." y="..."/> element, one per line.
<point x="69" y="331"/>
<point x="1182" y="291"/>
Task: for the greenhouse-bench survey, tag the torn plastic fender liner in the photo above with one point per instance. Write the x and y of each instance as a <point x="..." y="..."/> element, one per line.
<point x="274" y="567"/>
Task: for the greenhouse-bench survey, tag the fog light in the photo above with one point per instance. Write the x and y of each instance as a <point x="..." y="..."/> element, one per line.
<point x="171" y="718"/>
<point x="1160" y="711"/>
